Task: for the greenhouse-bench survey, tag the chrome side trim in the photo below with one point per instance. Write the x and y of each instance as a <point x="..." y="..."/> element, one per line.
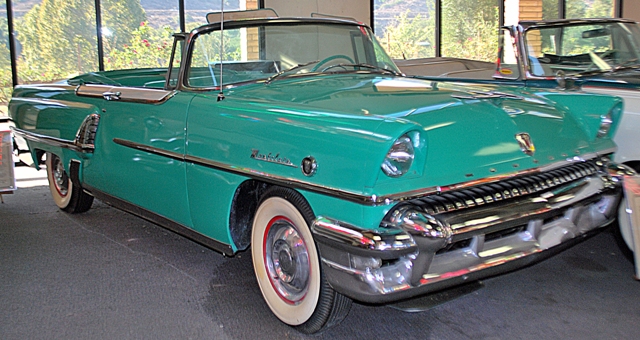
<point x="162" y="221"/>
<point x="150" y="149"/>
<point x="252" y="173"/>
<point x="284" y="181"/>
<point x="54" y="141"/>
<point x="359" y="198"/>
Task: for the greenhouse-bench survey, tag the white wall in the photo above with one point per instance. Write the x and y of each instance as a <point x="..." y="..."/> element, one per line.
<point x="631" y="9"/>
<point x="357" y="9"/>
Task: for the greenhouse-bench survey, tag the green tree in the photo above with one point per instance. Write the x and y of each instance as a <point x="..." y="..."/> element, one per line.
<point x="600" y="9"/>
<point x="470" y="29"/>
<point x="58" y="37"/>
<point x="410" y="38"/>
<point x="147" y="47"/>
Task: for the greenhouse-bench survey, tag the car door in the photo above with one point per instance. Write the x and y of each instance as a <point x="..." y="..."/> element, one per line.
<point x="140" y="146"/>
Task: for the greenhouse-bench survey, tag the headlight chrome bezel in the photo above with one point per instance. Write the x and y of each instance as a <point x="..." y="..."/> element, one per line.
<point x="605" y="125"/>
<point x="609" y="122"/>
<point x="399" y="158"/>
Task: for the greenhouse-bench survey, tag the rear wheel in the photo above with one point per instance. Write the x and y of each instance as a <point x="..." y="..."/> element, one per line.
<point x="287" y="265"/>
<point x="67" y="196"/>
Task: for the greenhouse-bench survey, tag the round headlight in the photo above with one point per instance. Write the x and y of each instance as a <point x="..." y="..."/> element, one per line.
<point x="605" y="125"/>
<point x="399" y="158"/>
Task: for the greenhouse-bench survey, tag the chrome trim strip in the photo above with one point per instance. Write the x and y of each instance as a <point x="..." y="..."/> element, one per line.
<point x="465" y="222"/>
<point x="162" y="221"/>
<point x="52" y="86"/>
<point x="252" y="173"/>
<point x="372" y="200"/>
<point x="608" y="151"/>
<point x="285" y="181"/>
<point x="150" y="149"/>
<point x="125" y="93"/>
<point x="53" y="141"/>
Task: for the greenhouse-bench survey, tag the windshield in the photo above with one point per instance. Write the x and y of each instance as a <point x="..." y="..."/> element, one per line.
<point x="276" y="50"/>
<point x="583" y="48"/>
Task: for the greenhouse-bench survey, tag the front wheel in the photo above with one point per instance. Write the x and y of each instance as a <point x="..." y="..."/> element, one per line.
<point x="67" y="196"/>
<point x="623" y="232"/>
<point x="287" y="265"/>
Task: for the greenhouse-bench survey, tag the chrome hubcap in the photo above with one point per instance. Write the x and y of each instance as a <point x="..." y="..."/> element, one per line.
<point x="287" y="260"/>
<point x="60" y="177"/>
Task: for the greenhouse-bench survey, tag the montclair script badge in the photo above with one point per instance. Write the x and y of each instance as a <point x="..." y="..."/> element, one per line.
<point x="526" y="144"/>
<point x="270" y="158"/>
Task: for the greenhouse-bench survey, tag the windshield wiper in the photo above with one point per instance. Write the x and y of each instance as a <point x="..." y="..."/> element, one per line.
<point x="591" y="73"/>
<point x="623" y="66"/>
<point x="367" y="66"/>
<point x="290" y="69"/>
<point x="619" y="67"/>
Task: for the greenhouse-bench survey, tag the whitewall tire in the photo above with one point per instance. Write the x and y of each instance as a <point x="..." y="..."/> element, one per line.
<point x="67" y="197"/>
<point x="287" y="264"/>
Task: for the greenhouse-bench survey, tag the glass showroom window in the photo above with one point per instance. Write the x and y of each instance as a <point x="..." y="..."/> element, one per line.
<point x="56" y="47"/>
<point x="406" y="29"/>
<point x="5" y="66"/>
<point x="589" y="9"/>
<point x="550" y="9"/>
<point x="138" y="36"/>
<point x="196" y="11"/>
<point x="470" y="29"/>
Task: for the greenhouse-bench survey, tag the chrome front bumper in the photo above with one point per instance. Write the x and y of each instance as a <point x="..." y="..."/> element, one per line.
<point x="421" y="247"/>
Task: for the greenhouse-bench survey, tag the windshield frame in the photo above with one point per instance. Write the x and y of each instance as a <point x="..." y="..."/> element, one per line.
<point x="214" y="28"/>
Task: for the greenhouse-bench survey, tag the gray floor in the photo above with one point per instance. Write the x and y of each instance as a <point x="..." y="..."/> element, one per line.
<point x="108" y="275"/>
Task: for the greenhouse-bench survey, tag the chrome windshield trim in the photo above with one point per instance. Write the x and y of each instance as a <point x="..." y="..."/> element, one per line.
<point x="372" y="200"/>
<point x="54" y="141"/>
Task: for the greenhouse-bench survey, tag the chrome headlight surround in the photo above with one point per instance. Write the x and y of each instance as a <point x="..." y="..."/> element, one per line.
<point x="609" y="122"/>
<point x="400" y="157"/>
<point x="605" y="125"/>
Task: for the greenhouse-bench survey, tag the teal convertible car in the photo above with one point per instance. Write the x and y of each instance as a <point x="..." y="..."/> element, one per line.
<point x="300" y="140"/>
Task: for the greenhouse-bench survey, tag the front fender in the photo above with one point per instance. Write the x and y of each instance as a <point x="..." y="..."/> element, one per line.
<point x="588" y="109"/>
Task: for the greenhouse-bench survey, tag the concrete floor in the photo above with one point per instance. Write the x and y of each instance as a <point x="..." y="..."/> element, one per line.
<point x="106" y="274"/>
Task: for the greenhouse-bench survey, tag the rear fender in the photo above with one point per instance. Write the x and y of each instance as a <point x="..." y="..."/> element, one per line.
<point x="62" y="127"/>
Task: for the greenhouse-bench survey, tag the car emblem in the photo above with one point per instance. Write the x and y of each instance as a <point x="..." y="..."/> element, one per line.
<point x="309" y="166"/>
<point x="526" y="144"/>
<point x="270" y="158"/>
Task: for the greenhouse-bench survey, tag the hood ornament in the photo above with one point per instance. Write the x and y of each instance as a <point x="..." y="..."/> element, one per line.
<point x="526" y="144"/>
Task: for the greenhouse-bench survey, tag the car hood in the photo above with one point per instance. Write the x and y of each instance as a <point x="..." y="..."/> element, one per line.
<point x="469" y="131"/>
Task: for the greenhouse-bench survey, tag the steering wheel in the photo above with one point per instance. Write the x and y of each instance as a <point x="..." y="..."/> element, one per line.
<point x="602" y="56"/>
<point x="328" y="59"/>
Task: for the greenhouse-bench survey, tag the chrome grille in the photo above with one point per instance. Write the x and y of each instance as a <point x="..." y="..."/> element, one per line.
<point x="505" y="189"/>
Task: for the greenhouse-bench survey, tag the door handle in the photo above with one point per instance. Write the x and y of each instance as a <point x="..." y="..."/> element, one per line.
<point x="111" y="95"/>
